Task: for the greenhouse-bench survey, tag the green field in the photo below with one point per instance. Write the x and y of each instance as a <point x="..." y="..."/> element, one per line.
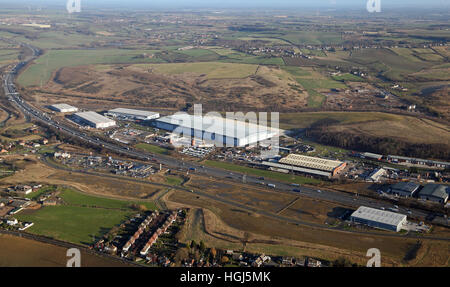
<point x="260" y="172"/>
<point x="313" y="37"/>
<point x="80" y="219"/>
<point x="152" y="148"/>
<point x="388" y="63"/>
<point x="42" y="69"/>
<point x="347" y="77"/>
<point x="174" y="180"/>
<point x="212" y="70"/>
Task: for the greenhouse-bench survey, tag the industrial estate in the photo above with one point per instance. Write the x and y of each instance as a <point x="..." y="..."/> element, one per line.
<point x="102" y="148"/>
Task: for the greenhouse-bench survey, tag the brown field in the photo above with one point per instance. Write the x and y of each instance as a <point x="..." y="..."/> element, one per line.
<point x="373" y="124"/>
<point x="269" y="88"/>
<point x="35" y="171"/>
<point x="333" y="244"/>
<point x="23" y="252"/>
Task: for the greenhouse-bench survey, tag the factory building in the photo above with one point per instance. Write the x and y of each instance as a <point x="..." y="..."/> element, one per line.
<point x="379" y="218"/>
<point x="216" y="130"/>
<point x="64" y="108"/>
<point x="406" y="189"/>
<point x="131" y="114"/>
<point x="434" y="192"/>
<point x="418" y="161"/>
<point x="376" y="174"/>
<point x="312" y="165"/>
<point x="93" y="119"/>
<point x="373" y="156"/>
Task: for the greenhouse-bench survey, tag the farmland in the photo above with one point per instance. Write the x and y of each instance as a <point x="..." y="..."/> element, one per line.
<point x="296" y="239"/>
<point x="40" y="72"/>
<point x="22" y="252"/>
<point x="213" y="70"/>
<point x="80" y="219"/>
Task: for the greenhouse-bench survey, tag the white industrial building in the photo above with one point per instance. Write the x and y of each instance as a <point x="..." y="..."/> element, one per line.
<point x="217" y="130"/>
<point x="131" y="114"/>
<point x="64" y="108"/>
<point x="309" y="164"/>
<point x="381" y="219"/>
<point x="94" y="120"/>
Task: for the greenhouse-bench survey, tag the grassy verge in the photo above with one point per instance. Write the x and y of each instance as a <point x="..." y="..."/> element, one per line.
<point x="152" y="148"/>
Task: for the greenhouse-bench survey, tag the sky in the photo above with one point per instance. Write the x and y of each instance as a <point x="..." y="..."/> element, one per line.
<point x="355" y="4"/>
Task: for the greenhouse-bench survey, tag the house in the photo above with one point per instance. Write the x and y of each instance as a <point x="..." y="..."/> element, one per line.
<point x="12" y="221"/>
<point x="61" y="155"/>
<point x="50" y="202"/>
<point x="237" y="256"/>
<point x="23" y="189"/>
<point x="287" y="260"/>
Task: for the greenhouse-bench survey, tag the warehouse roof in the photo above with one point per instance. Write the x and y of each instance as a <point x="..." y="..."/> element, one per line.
<point x="132" y="112"/>
<point x="372" y="155"/>
<point x="376" y="215"/>
<point x="311" y="162"/>
<point x="300" y="169"/>
<point x="406" y="186"/>
<point x="435" y="190"/>
<point x="93" y="117"/>
<point x="63" y="106"/>
<point x="223" y="126"/>
<point x="429" y="161"/>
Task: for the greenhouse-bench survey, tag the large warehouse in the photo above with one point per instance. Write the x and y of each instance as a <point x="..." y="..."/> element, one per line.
<point x="130" y="114"/>
<point x="406" y="189"/>
<point x="379" y="218"/>
<point x="309" y="164"/>
<point x="94" y="120"/>
<point x="216" y="130"/>
<point x="64" y="108"/>
<point x="434" y="192"/>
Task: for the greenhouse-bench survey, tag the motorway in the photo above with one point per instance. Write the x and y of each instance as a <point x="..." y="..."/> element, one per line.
<point x="173" y="163"/>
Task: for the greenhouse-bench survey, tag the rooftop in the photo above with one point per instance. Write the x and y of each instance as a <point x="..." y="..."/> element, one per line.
<point x="311" y="162"/>
<point x="219" y="125"/>
<point x="132" y="112"/>
<point x="93" y="117"/>
<point x="418" y="159"/>
<point x="381" y="216"/>
<point x="406" y="186"/>
<point x="435" y="190"/>
<point x="372" y="155"/>
<point x="63" y="106"/>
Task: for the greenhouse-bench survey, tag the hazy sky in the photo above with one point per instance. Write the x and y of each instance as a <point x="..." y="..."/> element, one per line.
<point x="356" y="4"/>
